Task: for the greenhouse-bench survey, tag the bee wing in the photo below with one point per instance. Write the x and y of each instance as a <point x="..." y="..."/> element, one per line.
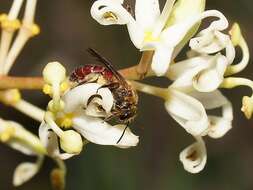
<point x="107" y="64"/>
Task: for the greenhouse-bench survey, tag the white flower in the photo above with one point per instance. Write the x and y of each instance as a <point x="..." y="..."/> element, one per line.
<point x="85" y="109"/>
<point x="189" y="110"/>
<point x="163" y="32"/>
<point x="201" y="70"/>
<point x="95" y="129"/>
<point x="194" y="157"/>
<point x="15" y="136"/>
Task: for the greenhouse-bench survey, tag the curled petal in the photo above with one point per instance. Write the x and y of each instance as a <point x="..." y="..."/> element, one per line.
<point x="187" y="111"/>
<point x="190" y="66"/>
<point x="173" y="35"/>
<point x="78" y="98"/>
<point x="194" y="157"/>
<point x="209" y="42"/>
<point x="218" y="126"/>
<point x="94" y="109"/>
<point x="100" y="132"/>
<point x="108" y="12"/>
<point x="210" y="78"/>
<point x="204" y="73"/>
<point x="24" y="172"/>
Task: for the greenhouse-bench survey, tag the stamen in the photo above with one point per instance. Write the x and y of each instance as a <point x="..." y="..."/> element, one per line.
<point x="238" y="40"/>
<point x="65" y="121"/>
<point x="10" y="97"/>
<point x="110" y="16"/>
<point x="10" y="25"/>
<point x="247" y="102"/>
<point x="7" y="133"/>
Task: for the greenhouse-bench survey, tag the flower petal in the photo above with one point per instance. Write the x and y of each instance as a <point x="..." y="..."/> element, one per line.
<point x="187" y="111"/>
<point x="78" y="97"/>
<point x="194" y="157"/>
<point x="209" y="42"/>
<point x="210" y="79"/>
<point x="173" y="35"/>
<point x="147" y="12"/>
<point x="190" y="66"/>
<point x="100" y="132"/>
<point x="218" y="126"/>
<point x="210" y="100"/>
<point x="204" y="73"/>
<point x="24" y="172"/>
<point x="94" y="108"/>
<point x="161" y="60"/>
<point x="181" y="10"/>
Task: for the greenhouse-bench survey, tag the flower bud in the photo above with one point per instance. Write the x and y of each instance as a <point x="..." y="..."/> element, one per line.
<point x="58" y="179"/>
<point x="247" y="106"/>
<point x="71" y="142"/>
<point x="54" y="72"/>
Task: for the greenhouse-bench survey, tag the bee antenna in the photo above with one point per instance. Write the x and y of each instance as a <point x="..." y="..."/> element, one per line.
<point x="122" y="134"/>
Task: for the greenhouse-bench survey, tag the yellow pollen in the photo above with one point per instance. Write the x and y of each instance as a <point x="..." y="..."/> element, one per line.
<point x="10" y="25"/>
<point x="3" y="17"/>
<point x="110" y="16"/>
<point x="65" y="121"/>
<point x="148" y="37"/>
<point x="47" y="89"/>
<point x="10" y="97"/>
<point x="7" y="133"/>
<point x="34" y="29"/>
<point x="64" y="86"/>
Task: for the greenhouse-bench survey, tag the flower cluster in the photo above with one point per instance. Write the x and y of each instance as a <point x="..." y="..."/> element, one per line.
<point x="83" y="111"/>
<point x="197" y="79"/>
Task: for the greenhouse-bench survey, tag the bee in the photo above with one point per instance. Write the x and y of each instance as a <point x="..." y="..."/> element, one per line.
<point x="124" y="109"/>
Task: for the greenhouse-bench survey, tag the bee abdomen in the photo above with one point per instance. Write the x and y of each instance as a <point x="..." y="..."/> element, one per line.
<point x="79" y="74"/>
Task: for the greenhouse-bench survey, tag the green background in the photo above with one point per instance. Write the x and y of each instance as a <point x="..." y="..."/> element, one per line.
<point x="67" y="31"/>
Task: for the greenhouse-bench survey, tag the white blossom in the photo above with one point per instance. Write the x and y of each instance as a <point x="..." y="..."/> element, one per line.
<point x="88" y="105"/>
<point x="163" y="32"/>
<point x="194" y="157"/>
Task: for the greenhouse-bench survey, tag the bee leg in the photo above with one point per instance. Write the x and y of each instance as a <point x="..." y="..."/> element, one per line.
<point x="111" y="86"/>
<point x="122" y="134"/>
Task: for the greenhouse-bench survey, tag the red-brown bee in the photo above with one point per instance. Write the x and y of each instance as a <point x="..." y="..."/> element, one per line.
<point x="125" y="97"/>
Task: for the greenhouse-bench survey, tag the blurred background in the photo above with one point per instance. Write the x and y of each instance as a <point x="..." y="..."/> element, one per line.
<point x="67" y="31"/>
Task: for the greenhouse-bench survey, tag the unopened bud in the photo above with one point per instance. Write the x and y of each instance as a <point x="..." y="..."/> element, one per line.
<point x="71" y="142"/>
